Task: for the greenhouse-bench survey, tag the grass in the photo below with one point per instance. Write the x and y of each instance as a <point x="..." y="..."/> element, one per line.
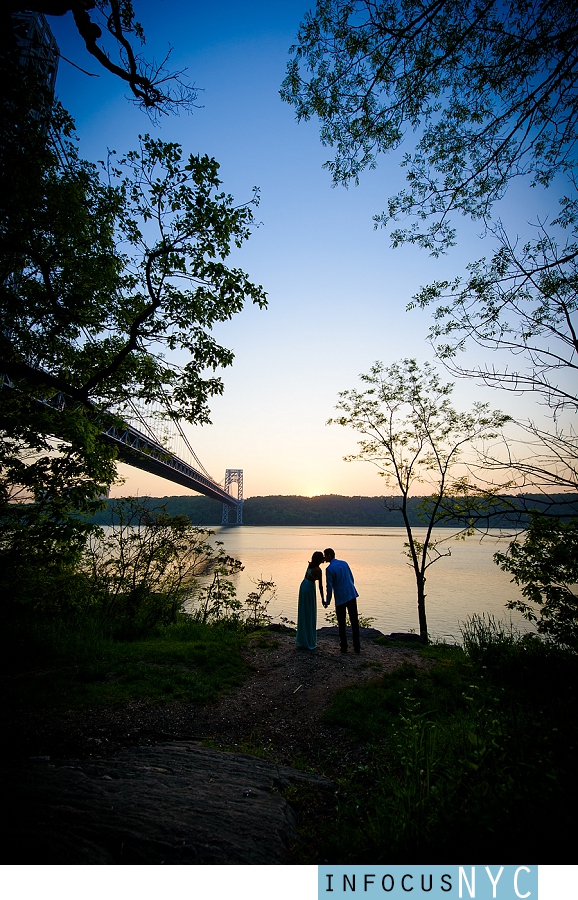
<point x="474" y="753"/>
<point x="477" y="753"/>
<point x="77" y="665"/>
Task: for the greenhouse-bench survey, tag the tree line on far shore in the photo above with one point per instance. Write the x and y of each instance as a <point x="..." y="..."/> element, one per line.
<point x="334" y="509"/>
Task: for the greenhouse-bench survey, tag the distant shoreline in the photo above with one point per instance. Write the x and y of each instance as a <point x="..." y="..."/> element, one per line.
<point x="337" y="510"/>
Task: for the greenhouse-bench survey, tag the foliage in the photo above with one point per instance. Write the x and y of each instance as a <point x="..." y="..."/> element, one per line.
<point x="138" y="573"/>
<point x="489" y="91"/>
<point x="216" y="600"/>
<point x="39" y="560"/>
<point x="102" y="273"/>
<point x="76" y="663"/>
<point x="333" y="509"/>
<point x="142" y="569"/>
<point x="57" y="217"/>
<point x="486" y="640"/>
<point x="149" y="566"/>
<point x="545" y="566"/>
<point x="488" y="88"/>
<point x="153" y="86"/>
<point x="522" y="307"/>
<point x="473" y="750"/>
<point x="257" y="601"/>
<point x="96" y="286"/>
<point x="522" y="302"/>
<point x="412" y="433"/>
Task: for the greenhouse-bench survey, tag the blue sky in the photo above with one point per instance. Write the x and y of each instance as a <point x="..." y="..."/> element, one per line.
<point x="337" y="291"/>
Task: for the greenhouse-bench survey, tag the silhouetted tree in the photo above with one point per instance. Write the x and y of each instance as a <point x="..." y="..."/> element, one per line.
<point x="102" y="273"/>
<point x="153" y="85"/>
<point x="414" y="436"/>
<point x="488" y="88"/>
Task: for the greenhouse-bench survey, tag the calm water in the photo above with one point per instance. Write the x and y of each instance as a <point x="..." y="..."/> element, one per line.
<point x="466" y="582"/>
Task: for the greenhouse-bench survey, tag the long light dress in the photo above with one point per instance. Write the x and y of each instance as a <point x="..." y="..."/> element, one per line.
<point x="307" y="615"/>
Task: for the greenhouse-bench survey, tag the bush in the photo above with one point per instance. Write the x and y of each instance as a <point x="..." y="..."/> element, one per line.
<point x="485" y="639"/>
<point x="134" y="576"/>
<point x="545" y="566"/>
<point x="477" y="750"/>
<point x="143" y="568"/>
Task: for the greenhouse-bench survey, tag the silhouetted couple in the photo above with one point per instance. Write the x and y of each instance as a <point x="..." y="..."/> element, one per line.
<point x="340" y="585"/>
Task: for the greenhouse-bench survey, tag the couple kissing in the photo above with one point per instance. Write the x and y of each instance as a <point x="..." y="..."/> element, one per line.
<point x="341" y="587"/>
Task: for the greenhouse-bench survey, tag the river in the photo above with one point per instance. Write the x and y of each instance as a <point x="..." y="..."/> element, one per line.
<point x="467" y="582"/>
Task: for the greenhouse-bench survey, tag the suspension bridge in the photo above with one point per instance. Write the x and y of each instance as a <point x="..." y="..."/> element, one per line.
<point x="147" y="440"/>
<point x="171" y="456"/>
<point x="136" y="440"/>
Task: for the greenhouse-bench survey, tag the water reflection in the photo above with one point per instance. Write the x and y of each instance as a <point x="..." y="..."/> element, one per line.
<point x="467" y="582"/>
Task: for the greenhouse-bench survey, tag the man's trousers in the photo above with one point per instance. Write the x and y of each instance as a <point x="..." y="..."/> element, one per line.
<point x="351" y="608"/>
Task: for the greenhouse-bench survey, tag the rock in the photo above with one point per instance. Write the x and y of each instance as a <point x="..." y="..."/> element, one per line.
<point x="175" y="803"/>
<point x="365" y="633"/>
<point x="410" y="637"/>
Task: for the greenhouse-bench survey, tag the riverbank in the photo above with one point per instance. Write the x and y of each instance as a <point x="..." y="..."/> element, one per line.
<point x="394" y="754"/>
<point x="136" y="782"/>
<point x="276" y="710"/>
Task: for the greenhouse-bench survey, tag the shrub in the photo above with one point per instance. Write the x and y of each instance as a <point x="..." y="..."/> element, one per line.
<point x="545" y="566"/>
<point x="142" y="569"/>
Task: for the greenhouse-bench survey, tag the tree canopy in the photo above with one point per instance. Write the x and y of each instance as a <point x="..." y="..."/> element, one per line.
<point x="153" y="85"/>
<point x="545" y="567"/>
<point x="489" y="89"/>
<point x="521" y="306"/>
<point x="111" y="279"/>
<point x="103" y="271"/>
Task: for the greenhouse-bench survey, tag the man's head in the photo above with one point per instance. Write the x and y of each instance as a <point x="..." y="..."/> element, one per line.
<point x="329" y="554"/>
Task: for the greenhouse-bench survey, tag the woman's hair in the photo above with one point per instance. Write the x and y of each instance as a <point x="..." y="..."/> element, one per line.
<point x="317" y="558"/>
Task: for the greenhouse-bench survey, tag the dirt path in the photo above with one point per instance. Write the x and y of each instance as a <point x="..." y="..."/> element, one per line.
<point x="281" y="705"/>
<point x="277" y="712"/>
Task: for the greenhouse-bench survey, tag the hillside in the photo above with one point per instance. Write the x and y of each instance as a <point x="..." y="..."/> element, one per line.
<point x="333" y="509"/>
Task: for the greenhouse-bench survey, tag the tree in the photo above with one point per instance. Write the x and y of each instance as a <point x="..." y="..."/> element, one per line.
<point x="102" y="273"/>
<point x="545" y="566"/>
<point x="522" y="307"/>
<point x="148" y="564"/>
<point x="153" y="86"/>
<point x="412" y="433"/>
<point x="489" y="88"/>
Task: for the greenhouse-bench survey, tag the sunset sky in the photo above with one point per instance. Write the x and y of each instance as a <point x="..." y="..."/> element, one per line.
<point x="337" y="291"/>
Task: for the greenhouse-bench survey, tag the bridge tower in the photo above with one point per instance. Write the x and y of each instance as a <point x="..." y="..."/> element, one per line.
<point x="233" y="476"/>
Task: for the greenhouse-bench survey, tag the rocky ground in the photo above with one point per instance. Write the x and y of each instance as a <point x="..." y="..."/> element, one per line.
<point x="151" y="783"/>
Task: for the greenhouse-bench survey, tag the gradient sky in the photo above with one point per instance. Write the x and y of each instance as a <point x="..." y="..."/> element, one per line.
<point x="337" y="291"/>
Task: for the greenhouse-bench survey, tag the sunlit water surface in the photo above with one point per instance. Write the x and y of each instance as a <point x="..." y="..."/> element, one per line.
<point x="467" y="582"/>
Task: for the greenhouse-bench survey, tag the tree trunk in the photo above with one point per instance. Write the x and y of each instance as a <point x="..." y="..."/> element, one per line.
<point x="421" y="608"/>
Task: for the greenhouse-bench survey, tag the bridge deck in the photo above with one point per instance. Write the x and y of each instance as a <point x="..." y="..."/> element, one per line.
<point x="141" y="451"/>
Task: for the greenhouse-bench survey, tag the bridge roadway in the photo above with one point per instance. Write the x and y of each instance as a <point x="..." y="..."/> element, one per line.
<point x="143" y="452"/>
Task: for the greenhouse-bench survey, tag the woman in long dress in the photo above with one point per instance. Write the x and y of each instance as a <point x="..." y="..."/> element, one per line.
<point x="307" y="609"/>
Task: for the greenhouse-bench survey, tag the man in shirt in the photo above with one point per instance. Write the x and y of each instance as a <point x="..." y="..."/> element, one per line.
<point x="340" y="585"/>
